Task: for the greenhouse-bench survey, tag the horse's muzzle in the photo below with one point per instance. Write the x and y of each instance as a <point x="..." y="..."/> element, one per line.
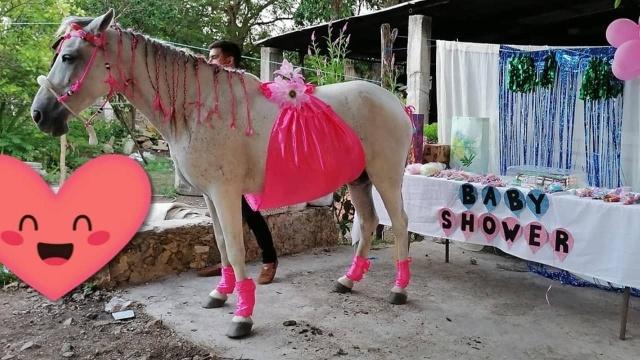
<point x="50" y="117"/>
<point x="51" y="123"/>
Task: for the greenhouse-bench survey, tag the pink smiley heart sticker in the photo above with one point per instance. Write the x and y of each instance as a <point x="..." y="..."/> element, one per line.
<point x="54" y="242"/>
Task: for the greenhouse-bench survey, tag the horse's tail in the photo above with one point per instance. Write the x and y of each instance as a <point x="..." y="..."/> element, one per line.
<point x="410" y="110"/>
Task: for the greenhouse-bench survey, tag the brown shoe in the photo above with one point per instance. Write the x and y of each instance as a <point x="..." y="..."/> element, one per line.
<point x="267" y="273"/>
<point x="209" y="271"/>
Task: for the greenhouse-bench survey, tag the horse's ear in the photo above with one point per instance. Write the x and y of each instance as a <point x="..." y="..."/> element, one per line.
<point x="101" y="23"/>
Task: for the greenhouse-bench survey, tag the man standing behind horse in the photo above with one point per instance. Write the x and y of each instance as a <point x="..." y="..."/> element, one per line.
<point x="228" y="54"/>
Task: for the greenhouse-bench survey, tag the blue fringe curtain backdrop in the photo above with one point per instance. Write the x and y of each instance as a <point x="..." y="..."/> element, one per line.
<point x="537" y="119"/>
<point x="536" y="127"/>
<point x="602" y="95"/>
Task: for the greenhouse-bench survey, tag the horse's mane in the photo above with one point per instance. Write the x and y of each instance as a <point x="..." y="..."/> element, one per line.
<point x="181" y="53"/>
<point x="156" y="50"/>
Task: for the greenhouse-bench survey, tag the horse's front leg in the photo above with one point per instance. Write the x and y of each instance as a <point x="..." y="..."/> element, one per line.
<point x="227" y="202"/>
<point x="219" y="295"/>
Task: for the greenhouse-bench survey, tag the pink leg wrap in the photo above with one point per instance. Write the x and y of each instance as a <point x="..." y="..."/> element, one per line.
<point x="358" y="268"/>
<point x="403" y="274"/>
<point x="227" y="281"/>
<point x="246" y="290"/>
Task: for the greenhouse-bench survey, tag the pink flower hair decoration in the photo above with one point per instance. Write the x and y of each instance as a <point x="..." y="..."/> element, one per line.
<point x="288" y="89"/>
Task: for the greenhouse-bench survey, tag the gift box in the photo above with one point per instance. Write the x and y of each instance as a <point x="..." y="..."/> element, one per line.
<point x="436" y="153"/>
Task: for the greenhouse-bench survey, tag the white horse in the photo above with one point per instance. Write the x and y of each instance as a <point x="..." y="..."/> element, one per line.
<point x="192" y="104"/>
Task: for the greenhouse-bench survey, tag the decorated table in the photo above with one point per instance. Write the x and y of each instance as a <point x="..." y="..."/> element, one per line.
<point x="584" y="236"/>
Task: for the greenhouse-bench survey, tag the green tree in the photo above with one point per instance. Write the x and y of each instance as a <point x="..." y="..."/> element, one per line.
<point x="169" y="20"/>
<point x="199" y="22"/>
<point x="311" y="12"/>
<point x="196" y="22"/>
<point x="25" y="53"/>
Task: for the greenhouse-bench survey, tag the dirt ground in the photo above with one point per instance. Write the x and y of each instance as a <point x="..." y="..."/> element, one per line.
<point x="488" y="308"/>
<point x="34" y="328"/>
<point x="480" y="306"/>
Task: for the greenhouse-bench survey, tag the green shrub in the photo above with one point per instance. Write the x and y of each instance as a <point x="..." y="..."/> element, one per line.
<point x="431" y="132"/>
<point x="329" y="69"/>
<point x="20" y="138"/>
<point x="6" y="277"/>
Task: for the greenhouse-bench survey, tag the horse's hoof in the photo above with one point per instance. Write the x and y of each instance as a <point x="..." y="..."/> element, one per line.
<point x="239" y="330"/>
<point x="398" y="298"/>
<point x="341" y="289"/>
<point x="212" y="303"/>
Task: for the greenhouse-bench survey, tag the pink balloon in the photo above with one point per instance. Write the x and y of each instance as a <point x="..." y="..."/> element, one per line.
<point x="448" y="221"/>
<point x="536" y="236"/>
<point x="626" y="61"/>
<point x="489" y="226"/>
<point x="468" y="224"/>
<point x="511" y="230"/>
<point x="621" y="31"/>
<point x="562" y="242"/>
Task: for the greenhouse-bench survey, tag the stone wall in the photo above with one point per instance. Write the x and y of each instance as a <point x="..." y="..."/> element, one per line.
<point x="175" y="246"/>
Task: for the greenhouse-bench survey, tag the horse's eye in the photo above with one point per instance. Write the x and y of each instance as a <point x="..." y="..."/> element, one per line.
<point x="66" y="58"/>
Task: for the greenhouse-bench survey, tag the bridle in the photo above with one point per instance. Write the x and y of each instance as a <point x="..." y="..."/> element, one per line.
<point x="98" y="41"/>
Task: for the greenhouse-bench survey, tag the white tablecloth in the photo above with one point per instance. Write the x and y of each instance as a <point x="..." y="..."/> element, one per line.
<point x="606" y="236"/>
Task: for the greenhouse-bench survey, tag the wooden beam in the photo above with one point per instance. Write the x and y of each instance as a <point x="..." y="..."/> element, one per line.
<point x="419" y="63"/>
<point x="270" y="61"/>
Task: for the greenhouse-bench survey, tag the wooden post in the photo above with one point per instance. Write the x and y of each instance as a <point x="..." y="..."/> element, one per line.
<point x="349" y="70"/>
<point x="63" y="158"/>
<point x="625" y="313"/>
<point x="132" y="120"/>
<point x="419" y="64"/>
<point x="376" y="70"/>
<point x="387" y="38"/>
<point x="270" y="61"/>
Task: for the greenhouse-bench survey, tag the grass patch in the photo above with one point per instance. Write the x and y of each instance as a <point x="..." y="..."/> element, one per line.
<point x="160" y="172"/>
<point x="168" y="191"/>
<point x="159" y="165"/>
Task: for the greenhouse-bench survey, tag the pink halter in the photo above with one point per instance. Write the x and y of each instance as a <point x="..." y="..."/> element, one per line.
<point x="99" y="43"/>
<point x="96" y="40"/>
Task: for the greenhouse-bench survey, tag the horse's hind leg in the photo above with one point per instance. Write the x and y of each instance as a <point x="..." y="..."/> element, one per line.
<point x="219" y="295"/>
<point x="360" y="192"/>
<point x="390" y="189"/>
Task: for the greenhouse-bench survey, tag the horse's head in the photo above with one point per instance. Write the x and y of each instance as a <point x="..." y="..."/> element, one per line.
<point x="77" y="74"/>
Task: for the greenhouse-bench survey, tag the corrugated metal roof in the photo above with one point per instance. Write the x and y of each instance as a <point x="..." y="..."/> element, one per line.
<point x="533" y="22"/>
